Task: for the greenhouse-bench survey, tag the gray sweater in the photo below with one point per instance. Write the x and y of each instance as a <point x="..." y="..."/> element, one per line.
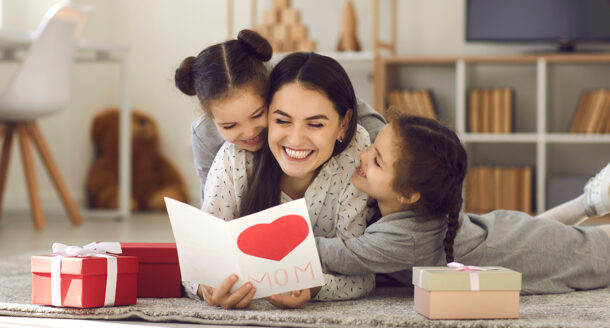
<point x="553" y="257"/>
<point x="206" y="141"/>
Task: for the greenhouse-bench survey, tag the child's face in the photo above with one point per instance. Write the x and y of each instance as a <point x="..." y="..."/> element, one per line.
<point x="303" y="129"/>
<point x="241" y="118"/>
<point x="375" y="175"/>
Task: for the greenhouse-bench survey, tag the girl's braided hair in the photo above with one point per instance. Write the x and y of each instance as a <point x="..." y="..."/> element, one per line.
<point x="433" y="163"/>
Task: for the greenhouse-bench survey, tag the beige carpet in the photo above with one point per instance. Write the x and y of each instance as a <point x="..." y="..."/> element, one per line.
<point x="387" y="307"/>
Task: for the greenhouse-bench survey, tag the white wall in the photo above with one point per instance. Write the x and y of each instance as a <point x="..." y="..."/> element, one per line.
<point x="160" y="33"/>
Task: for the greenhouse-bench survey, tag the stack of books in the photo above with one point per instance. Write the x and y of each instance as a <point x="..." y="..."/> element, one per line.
<point x="593" y="113"/>
<point x="412" y="102"/>
<point x="490" y="188"/>
<point x="490" y="110"/>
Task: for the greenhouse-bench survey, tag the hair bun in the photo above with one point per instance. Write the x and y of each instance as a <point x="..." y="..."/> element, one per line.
<point x="255" y="44"/>
<point x="184" y="76"/>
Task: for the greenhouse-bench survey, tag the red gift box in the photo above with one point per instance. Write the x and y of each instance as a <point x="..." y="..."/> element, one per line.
<point x="159" y="274"/>
<point x="83" y="281"/>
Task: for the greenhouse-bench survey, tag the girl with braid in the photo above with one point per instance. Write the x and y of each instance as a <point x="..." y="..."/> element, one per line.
<point x="415" y="170"/>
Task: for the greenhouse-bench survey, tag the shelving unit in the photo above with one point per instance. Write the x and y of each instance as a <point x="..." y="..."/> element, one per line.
<point x="547" y="90"/>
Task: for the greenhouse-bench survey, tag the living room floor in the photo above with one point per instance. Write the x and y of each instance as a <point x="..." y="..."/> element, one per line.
<point x="18" y="236"/>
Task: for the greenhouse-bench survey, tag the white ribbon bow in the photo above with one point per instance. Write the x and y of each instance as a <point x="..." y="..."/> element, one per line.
<point x="90" y="250"/>
<point x="472" y="271"/>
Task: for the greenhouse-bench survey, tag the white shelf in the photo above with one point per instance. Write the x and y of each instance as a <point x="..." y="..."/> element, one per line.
<point x="500" y="137"/>
<point x="578" y="138"/>
<point x="347" y="56"/>
<point x="547" y="90"/>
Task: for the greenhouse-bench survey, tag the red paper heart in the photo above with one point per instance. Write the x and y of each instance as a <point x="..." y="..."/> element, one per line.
<point x="275" y="240"/>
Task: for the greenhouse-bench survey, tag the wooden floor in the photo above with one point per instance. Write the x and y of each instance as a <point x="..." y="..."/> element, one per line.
<point x="18" y="235"/>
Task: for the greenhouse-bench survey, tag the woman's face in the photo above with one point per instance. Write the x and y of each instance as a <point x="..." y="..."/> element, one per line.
<point x="375" y="175"/>
<point x="241" y="118"/>
<point x="303" y="129"/>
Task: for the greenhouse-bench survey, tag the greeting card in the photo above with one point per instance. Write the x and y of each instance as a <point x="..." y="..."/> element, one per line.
<point x="273" y="249"/>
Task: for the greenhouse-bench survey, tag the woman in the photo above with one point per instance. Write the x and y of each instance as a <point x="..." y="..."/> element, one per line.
<point x="312" y="151"/>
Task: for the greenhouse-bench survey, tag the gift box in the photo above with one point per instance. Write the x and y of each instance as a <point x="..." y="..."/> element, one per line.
<point x="159" y="274"/>
<point x="84" y="282"/>
<point x="466" y="292"/>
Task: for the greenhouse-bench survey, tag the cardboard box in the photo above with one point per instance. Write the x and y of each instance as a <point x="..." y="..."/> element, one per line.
<point x="159" y="273"/>
<point x="83" y="281"/>
<point x="271" y="17"/>
<point x="445" y="293"/>
<point x="281" y="33"/>
<point x="280" y="4"/>
<point x="298" y="32"/>
<point x="290" y="16"/>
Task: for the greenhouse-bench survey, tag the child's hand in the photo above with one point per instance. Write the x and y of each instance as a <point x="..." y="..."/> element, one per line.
<point x="292" y="300"/>
<point x="223" y="297"/>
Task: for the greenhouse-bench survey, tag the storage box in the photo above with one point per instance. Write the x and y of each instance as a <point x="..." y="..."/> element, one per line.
<point x="159" y="274"/>
<point x="83" y="280"/>
<point x="482" y="293"/>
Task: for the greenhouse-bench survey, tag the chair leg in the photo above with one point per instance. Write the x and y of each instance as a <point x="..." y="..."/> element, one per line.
<point x="30" y="174"/>
<point x="7" y="130"/>
<point x="53" y="170"/>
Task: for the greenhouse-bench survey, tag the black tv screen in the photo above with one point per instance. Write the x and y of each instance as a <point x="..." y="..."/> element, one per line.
<point x="524" y="21"/>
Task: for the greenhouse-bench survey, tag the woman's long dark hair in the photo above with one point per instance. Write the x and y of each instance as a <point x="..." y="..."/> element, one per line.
<point x="315" y="72"/>
<point x="433" y="162"/>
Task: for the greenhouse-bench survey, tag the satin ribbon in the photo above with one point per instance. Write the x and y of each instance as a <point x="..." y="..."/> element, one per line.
<point x="90" y="250"/>
<point x="472" y="271"/>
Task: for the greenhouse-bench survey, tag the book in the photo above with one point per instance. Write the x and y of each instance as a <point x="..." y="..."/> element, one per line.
<point x="426" y="97"/>
<point x="577" y="125"/>
<point x="497" y="182"/>
<point x="507" y="111"/>
<point x="604" y="115"/>
<point x="497" y="112"/>
<point x="487" y="189"/>
<point x="474" y="111"/>
<point x="486" y="111"/>
<point x="526" y="189"/>
<point x="596" y="109"/>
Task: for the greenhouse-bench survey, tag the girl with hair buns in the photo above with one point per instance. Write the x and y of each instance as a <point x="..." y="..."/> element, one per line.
<point x="230" y="80"/>
<point x="415" y="171"/>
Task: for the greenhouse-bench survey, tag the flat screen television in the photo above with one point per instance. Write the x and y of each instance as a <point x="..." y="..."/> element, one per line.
<point x="563" y="22"/>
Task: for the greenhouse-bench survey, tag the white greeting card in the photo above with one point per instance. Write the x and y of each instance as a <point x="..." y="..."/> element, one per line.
<point x="273" y="249"/>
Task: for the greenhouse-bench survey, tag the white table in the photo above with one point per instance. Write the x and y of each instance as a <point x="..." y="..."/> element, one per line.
<point x="12" y="44"/>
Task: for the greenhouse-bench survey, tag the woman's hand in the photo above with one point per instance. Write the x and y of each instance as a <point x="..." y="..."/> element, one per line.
<point x="293" y="300"/>
<point x="223" y="297"/>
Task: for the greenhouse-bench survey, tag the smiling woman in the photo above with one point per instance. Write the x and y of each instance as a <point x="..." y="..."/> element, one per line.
<point x="312" y="152"/>
<point x="304" y="127"/>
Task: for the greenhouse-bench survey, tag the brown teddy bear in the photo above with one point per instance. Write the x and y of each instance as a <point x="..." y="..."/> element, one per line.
<point x="153" y="176"/>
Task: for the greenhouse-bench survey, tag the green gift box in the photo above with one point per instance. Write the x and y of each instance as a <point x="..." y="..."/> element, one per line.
<point x="446" y="278"/>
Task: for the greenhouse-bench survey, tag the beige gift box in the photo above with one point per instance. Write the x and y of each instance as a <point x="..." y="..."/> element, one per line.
<point x="462" y="292"/>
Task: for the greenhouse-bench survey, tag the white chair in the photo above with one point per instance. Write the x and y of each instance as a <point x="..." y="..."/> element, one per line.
<point x="42" y="87"/>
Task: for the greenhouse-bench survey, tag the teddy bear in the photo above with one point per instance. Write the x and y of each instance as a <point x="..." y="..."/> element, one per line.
<point x="153" y="176"/>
